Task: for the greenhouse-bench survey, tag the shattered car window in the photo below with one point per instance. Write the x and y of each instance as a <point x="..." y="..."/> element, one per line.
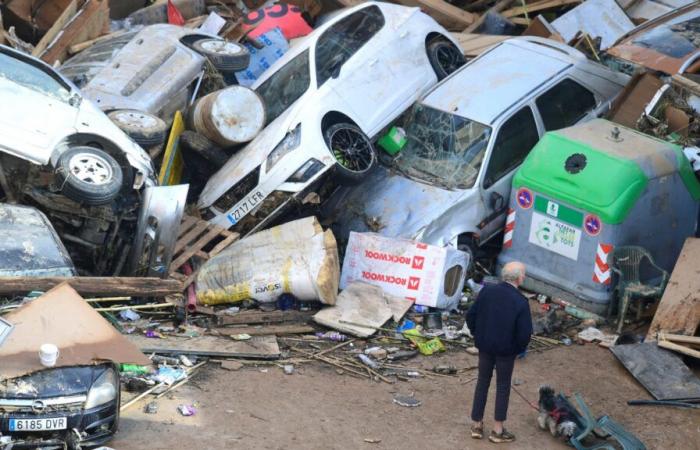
<point x="442" y="148"/>
<point x="676" y="39"/>
<point x="32" y="77"/>
<point x="344" y="39"/>
<point x="285" y="86"/>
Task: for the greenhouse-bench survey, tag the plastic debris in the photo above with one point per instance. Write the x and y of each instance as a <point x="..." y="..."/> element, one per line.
<point x="169" y="375"/>
<point x="332" y="336"/>
<point x="129" y="314"/>
<point x="369" y="362"/>
<point x="187" y="410"/>
<point x="407" y="401"/>
<point x="151" y="408"/>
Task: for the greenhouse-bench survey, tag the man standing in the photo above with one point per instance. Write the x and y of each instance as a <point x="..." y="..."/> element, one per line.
<point x="501" y="325"/>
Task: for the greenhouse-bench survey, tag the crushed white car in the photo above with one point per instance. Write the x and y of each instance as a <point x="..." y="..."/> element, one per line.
<point x="325" y="99"/>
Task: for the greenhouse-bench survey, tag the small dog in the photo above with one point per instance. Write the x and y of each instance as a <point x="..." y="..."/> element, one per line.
<point x="555" y="414"/>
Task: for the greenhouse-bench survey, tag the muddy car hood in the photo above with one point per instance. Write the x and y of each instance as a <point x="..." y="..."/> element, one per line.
<point x="390" y="204"/>
<point x="251" y="156"/>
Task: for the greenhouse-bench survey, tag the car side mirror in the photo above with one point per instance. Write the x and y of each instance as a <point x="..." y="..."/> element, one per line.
<point x="74" y="100"/>
<point x="497" y="201"/>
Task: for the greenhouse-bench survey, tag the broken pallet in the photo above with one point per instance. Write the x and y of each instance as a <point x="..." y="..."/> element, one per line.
<point x="198" y="238"/>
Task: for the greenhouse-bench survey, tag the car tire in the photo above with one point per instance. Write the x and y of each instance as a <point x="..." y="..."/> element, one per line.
<point x="145" y="129"/>
<point x="88" y="175"/>
<point x="207" y="149"/>
<point x="353" y="151"/>
<point x="468" y="246"/>
<point x="226" y="56"/>
<point x="444" y="57"/>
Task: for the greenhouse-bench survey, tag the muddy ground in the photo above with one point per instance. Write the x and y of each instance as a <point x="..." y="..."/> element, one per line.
<point x="316" y="408"/>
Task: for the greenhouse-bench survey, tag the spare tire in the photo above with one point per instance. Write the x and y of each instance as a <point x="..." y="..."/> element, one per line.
<point x="191" y="140"/>
<point x="88" y="175"/>
<point x="226" y="56"/>
<point x="144" y="128"/>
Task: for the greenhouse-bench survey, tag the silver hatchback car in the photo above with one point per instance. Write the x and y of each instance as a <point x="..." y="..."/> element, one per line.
<point x="466" y="138"/>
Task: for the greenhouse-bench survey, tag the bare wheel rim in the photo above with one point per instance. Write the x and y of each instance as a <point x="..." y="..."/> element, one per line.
<point x="222" y="47"/>
<point x="90" y="168"/>
<point x="135" y="119"/>
<point x="351" y="149"/>
<point x="448" y="58"/>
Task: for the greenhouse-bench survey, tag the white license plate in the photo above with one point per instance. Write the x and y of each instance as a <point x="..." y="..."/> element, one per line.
<point x="245" y="206"/>
<point x="55" y="423"/>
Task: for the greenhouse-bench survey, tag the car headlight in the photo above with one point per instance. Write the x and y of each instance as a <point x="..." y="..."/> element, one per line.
<point x="289" y="143"/>
<point x="103" y="390"/>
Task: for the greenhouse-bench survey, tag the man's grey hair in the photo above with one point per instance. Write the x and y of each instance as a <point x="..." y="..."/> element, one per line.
<point x="512" y="272"/>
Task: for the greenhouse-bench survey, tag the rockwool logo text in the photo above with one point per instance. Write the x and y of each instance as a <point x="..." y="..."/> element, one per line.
<point x="391" y="279"/>
<point x="387" y="257"/>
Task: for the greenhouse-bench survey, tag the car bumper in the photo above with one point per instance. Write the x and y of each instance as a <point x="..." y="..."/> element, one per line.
<point x="96" y="426"/>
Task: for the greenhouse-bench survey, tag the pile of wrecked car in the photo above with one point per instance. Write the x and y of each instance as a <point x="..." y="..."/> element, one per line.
<point x="196" y="180"/>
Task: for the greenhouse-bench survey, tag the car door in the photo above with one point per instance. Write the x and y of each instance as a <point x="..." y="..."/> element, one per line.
<point x="565" y="104"/>
<point x="38" y="109"/>
<point x="350" y="65"/>
<point x="513" y="141"/>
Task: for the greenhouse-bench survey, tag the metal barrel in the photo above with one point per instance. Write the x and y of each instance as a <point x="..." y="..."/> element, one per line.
<point x="230" y="116"/>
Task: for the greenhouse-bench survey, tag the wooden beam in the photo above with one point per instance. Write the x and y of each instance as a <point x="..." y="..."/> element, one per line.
<point x="263" y="330"/>
<point x="537" y="6"/>
<point x="679" y="349"/>
<point x="679" y="338"/>
<point x="91" y="21"/>
<point x="94" y="286"/>
<point x="449" y="16"/>
<point x="61" y="22"/>
<point x="249" y="317"/>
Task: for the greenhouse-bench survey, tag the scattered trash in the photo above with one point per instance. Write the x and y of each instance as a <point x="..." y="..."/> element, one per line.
<point x="288" y="369"/>
<point x="407" y="401"/>
<point x="151" y="408"/>
<point x="187" y="410"/>
<point x="369" y="362"/>
<point x="425" y="346"/>
<point x="129" y="314"/>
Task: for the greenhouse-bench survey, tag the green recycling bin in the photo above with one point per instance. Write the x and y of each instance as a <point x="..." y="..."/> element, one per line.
<point x="584" y="190"/>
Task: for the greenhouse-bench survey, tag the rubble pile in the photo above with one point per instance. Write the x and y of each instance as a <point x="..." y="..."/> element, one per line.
<point x="286" y="184"/>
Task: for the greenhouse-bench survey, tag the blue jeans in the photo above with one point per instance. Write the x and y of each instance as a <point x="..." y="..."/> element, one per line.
<point x="504" y="371"/>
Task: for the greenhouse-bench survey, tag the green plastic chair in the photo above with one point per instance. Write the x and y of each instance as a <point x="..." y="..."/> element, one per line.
<point x="613" y="430"/>
<point x="626" y="263"/>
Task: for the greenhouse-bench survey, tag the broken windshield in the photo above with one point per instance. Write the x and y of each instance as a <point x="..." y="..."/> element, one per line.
<point x="285" y="86"/>
<point x="442" y="148"/>
<point x="677" y="38"/>
<point x="32" y="77"/>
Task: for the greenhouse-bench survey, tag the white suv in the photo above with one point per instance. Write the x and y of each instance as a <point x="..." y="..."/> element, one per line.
<point x="325" y="99"/>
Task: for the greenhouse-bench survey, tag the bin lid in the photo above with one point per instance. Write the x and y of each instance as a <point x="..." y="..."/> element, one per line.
<point x="601" y="167"/>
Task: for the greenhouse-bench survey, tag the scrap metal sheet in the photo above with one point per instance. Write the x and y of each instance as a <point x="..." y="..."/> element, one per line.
<point x="660" y="371"/>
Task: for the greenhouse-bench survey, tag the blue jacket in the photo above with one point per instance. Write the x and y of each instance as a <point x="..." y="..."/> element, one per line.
<point x="500" y="320"/>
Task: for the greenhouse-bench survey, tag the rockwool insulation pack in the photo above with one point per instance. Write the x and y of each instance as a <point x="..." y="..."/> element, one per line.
<point x="296" y="258"/>
<point x="426" y="274"/>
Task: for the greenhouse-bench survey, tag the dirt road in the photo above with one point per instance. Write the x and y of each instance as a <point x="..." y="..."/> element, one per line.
<point x="316" y="408"/>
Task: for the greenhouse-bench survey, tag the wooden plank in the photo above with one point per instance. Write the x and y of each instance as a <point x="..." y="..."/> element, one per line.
<point x="91" y="21"/>
<point x="679" y="349"/>
<point x="107" y="286"/>
<point x="52" y="32"/>
<point x="474" y="44"/>
<point x="221" y="246"/>
<point x="679" y="338"/>
<point x="449" y="16"/>
<point x="537" y="6"/>
<point x="249" y="317"/>
<point x="679" y="308"/>
<point x="259" y="347"/>
<point x="194" y="248"/>
<point x="264" y="330"/>
<point x="190" y="236"/>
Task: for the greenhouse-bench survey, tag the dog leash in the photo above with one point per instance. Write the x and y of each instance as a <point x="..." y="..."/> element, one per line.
<point x="532" y="405"/>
